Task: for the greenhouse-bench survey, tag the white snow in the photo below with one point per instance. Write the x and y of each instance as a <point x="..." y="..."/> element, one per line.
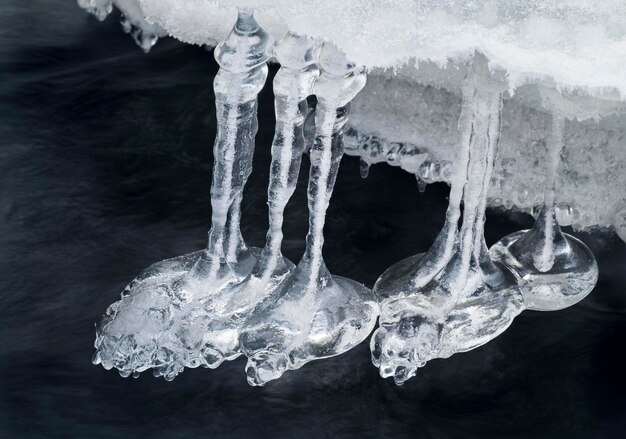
<point x="578" y="44"/>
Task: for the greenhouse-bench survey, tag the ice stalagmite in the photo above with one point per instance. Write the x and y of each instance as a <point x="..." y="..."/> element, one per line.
<point x="554" y="269"/>
<point x="152" y="326"/>
<point x="454" y="298"/>
<point x="313" y="314"/>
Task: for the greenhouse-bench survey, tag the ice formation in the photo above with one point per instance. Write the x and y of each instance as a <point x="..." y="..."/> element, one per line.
<point x="516" y="104"/>
<point x="131" y="18"/>
<point x="186" y="301"/>
<point x="314" y="314"/>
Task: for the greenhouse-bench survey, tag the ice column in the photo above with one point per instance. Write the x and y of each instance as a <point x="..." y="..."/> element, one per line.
<point x="242" y="57"/>
<point x="157" y="323"/>
<point x="313" y="314"/>
<point x="293" y="83"/>
<point x="214" y="335"/>
<point x="554" y="269"/>
<point x="470" y="300"/>
<point x="413" y="273"/>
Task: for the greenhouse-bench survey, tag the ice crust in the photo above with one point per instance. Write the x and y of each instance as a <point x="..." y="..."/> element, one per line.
<point x="576" y="43"/>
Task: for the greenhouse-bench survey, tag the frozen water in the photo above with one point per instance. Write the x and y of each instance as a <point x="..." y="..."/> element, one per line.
<point x="426" y="42"/>
<point x="454" y="298"/>
<point x="99" y="8"/>
<point x="176" y="298"/>
<point x="554" y="270"/>
<point x="220" y="327"/>
<point x="314" y="314"/>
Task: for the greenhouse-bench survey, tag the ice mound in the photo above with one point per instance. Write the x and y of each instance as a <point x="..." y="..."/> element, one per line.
<point x="213" y="305"/>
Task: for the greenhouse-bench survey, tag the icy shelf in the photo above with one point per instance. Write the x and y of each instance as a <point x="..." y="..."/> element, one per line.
<point x="576" y="43"/>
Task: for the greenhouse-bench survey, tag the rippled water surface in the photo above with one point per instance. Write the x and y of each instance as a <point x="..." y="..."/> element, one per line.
<point x="105" y="161"/>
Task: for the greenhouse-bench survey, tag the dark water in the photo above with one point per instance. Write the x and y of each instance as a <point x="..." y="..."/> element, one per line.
<point x="105" y="168"/>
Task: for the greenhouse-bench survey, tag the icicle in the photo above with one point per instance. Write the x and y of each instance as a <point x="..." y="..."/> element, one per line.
<point x="421" y="184"/>
<point x="143" y="38"/>
<point x="409" y="275"/>
<point x="554" y="269"/>
<point x="314" y="314"/>
<point x="292" y="85"/>
<point x="242" y="57"/>
<point x="453" y="298"/>
<point x="156" y="323"/>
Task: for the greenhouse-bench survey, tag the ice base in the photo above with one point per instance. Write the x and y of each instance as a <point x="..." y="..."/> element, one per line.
<point x="166" y="321"/>
<point x="303" y="321"/>
<point x="417" y="328"/>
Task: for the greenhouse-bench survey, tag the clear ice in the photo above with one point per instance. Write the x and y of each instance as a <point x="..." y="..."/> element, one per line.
<point x="554" y="270"/>
<point x="453" y="298"/>
<point x="314" y="314"/>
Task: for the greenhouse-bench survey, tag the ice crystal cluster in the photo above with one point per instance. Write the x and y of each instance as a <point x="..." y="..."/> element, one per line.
<point x="515" y="104"/>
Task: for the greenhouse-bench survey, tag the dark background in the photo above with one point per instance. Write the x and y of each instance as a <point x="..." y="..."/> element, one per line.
<point x="105" y="164"/>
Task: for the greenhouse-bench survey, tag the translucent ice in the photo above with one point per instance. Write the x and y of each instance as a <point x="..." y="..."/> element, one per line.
<point x="99" y="8"/>
<point x="218" y="330"/>
<point x="548" y="61"/>
<point x="313" y="314"/>
<point x="453" y="298"/>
